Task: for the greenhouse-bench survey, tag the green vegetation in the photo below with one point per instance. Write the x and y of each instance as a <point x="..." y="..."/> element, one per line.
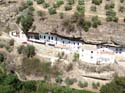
<point x="40" y="1"/>
<point x="109" y="6"/>
<point x="95" y="21"/>
<point x="2" y="58"/>
<point x="82" y="85"/>
<point x="59" y="79"/>
<point x="45" y="5"/>
<point x="93" y="8"/>
<point x="28" y="50"/>
<point x="111" y="15"/>
<point x="61" y="15"/>
<point x="95" y="85"/>
<point x="34" y="66"/>
<point x="70" y="2"/>
<point x="70" y="81"/>
<point x="29" y="2"/>
<point x="68" y="7"/>
<point x="52" y="10"/>
<point x="97" y="2"/>
<point x="81" y="2"/>
<point x="76" y="57"/>
<point x="59" y="2"/>
<point x="115" y="86"/>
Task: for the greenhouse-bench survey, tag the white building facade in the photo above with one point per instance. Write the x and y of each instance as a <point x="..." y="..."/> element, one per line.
<point x="87" y="53"/>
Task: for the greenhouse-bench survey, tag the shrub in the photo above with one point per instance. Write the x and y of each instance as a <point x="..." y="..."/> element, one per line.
<point x="23" y="6"/>
<point x="40" y="1"/>
<point x="29" y="2"/>
<point x="61" y="15"/>
<point x="109" y="6"/>
<point x="20" y="49"/>
<point x="69" y="81"/>
<point x="117" y="85"/>
<point x="26" y="21"/>
<point x="81" y="2"/>
<point x="121" y="1"/>
<point x="97" y="2"/>
<point x="82" y="85"/>
<point x="52" y="10"/>
<point x="70" y="2"/>
<point x="95" y="21"/>
<point x="93" y="8"/>
<point x="45" y="5"/>
<point x="68" y="7"/>
<point x="122" y="9"/>
<point x="59" y="2"/>
<point x="1" y="57"/>
<point x="11" y="42"/>
<point x="76" y="57"/>
<point x="40" y="13"/>
<point x="28" y="50"/>
<point x="81" y="9"/>
<point x="58" y="79"/>
<point x="94" y="85"/>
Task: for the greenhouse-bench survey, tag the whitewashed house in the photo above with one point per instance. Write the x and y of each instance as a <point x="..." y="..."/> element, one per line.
<point x="87" y="53"/>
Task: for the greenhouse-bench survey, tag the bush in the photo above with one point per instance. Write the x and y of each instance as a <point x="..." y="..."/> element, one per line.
<point x="45" y="5"/>
<point x="29" y="2"/>
<point x="40" y="1"/>
<point x="61" y="15"/>
<point x="97" y="2"/>
<point x="28" y="50"/>
<point x="122" y="9"/>
<point x="1" y="57"/>
<point x="121" y="1"/>
<point x="109" y="6"/>
<point x="81" y="9"/>
<point x="82" y="85"/>
<point x="117" y="85"/>
<point x="70" y="2"/>
<point x="20" y="49"/>
<point x="69" y="81"/>
<point x="95" y="21"/>
<point x="23" y="6"/>
<point x="40" y="13"/>
<point x="58" y="79"/>
<point x="93" y="8"/>
<point x="59" y="2"/>
<point x="81" y="2"/>
<point x="11" y="42"/>
<point x="68" y="7"/>
<point x="26" y="21"/>
<point x="94" y="85"/>
<point x="85" y="25"/>
<point x="52" y="10"/>
<point x="76" y="57"/>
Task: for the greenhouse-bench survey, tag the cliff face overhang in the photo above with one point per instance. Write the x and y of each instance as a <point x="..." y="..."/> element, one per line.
<point x="109" y="34"/>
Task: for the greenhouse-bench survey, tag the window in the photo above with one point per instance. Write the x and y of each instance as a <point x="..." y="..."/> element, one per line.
<point x="44" y="37"/>
<point x="49" y="37"/>
<point x="116" y="49"/>
<point x="63" y="42"/>
<point x="120" y="49"/>
<point x="52" y="38"/>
